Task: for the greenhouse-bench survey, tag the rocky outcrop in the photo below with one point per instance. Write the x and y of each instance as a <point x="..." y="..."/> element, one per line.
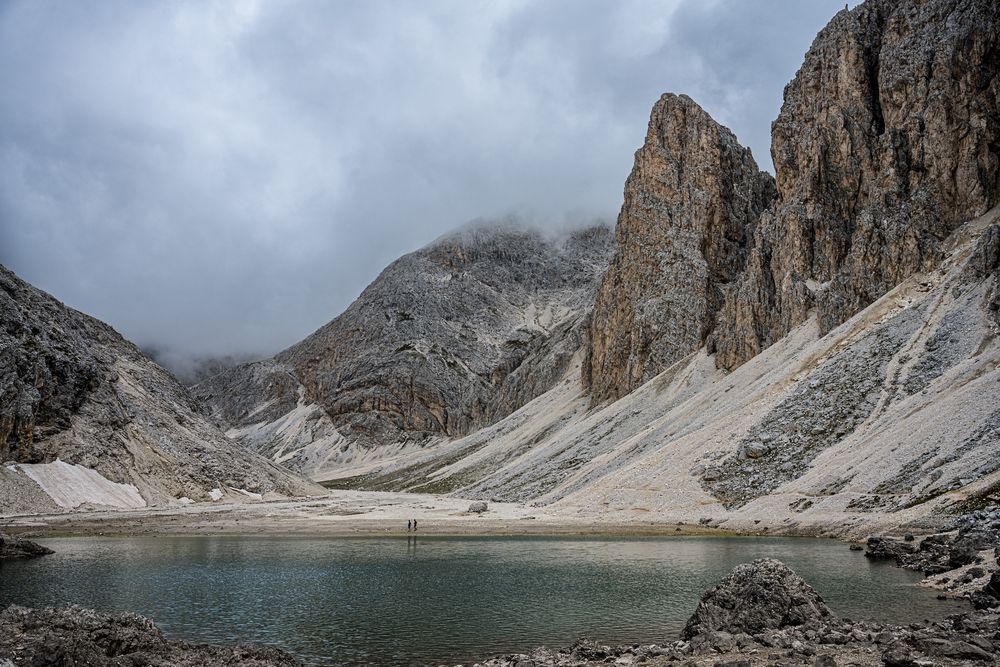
<point x="76" y="397"/>
<point x="447" y="339"/>
<point x="691" y="204"/>
<point x="15" y="547"/>
<point x="758" y="596"/>
<point x="887" y="141"/>
<point x="984" y="264"/>
<point x="932" y="554"/>
<point x="77" y="636"/>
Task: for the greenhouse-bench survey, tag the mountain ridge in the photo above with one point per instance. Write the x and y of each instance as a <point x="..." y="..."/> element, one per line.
<point x="89" y="419"/>
<point x="447" y="339"/>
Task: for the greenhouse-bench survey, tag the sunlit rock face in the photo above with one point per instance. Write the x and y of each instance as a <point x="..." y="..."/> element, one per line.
<point x="691" y="204"/>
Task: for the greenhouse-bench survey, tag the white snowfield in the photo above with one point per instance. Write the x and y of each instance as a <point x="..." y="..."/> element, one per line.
<point x="72" y="485"/>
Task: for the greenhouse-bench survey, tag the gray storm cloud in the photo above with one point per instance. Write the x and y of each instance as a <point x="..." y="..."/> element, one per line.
<point x="223" y="178"/>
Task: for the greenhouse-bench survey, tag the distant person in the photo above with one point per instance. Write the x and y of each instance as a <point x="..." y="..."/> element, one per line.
<point x="414" y="525"/>
<point x="408" y="526"/>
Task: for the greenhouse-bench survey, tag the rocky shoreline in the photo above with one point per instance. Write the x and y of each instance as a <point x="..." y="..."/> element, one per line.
<point x="77" y="636"/>
<point x="762" y="613"/>
<point x="963" y="563"/>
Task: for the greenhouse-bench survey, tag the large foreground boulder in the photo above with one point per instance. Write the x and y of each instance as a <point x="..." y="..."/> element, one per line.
<point x="77" y="636"/>
<point x="763" y="595"/>
<point x="14" y="547"/>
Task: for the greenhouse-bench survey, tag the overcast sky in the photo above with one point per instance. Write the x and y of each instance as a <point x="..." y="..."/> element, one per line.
<point x="224" y="177"/>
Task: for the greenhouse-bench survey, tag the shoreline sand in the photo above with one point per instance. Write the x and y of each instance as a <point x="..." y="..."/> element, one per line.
<point x="361" y="513"/>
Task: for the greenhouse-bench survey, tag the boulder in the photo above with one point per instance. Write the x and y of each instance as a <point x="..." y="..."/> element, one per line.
<point x="478" y="507"/>
<point x="980" y="600"/>
<point x="965" y="549"/>
<point x="993" y="586"/>
<point x="763" y="595"/>
<point x="884" y="548"/>
<point x="14" y="547"/>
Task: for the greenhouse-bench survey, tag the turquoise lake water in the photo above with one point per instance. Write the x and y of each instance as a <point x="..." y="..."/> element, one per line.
<point x="435" y="600"/>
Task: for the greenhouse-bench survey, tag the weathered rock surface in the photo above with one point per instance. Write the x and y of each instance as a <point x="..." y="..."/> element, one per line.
<point x="77" y="636"/>
<point x="886" y="142"/>
<point x="73" y="390"/>
<point x="446" y="340"/>
<point x="758" y="596"/>
<point x="15" y="547"/>
<point x="691" y="204"/>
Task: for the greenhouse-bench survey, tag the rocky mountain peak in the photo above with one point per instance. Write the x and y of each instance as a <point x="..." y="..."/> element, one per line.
<point x="447" y="339"/>
<point x="89" y="419"/>
<point x="887" y="140"/>
<point x="691" y="205"/>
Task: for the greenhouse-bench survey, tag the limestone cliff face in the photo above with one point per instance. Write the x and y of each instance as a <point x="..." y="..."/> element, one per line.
<point x="888" y="139"/>
<point x="447" y="339"/>
<point x="71" y="388"/>
<point x="691" y="204"/>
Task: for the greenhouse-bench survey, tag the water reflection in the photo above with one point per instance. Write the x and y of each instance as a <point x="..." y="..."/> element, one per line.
<point x="453" y="599"/>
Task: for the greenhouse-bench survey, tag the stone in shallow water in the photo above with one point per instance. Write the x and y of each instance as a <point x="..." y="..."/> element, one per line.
<point x="14" y="547"/>
<point x="763" y="595"/>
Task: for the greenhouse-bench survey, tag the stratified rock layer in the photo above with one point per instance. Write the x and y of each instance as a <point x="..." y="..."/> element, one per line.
<point x="888" y="139"/>
<point x="691" y="204"/>
<point x="72" y="389"/>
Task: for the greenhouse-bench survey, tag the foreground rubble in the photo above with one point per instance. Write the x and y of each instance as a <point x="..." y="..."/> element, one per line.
<point x="77" y="636"/>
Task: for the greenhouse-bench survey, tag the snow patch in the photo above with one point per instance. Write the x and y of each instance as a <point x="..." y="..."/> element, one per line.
<point x="215" y="494"/>
<point x="72" y="485"/>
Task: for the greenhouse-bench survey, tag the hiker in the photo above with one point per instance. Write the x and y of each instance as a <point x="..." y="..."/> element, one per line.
<point x="414" y="525"/>
<point x="408" y="526"/>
